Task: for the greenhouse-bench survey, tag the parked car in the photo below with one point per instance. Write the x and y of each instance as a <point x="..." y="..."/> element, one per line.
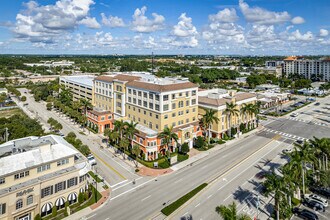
<point x="325" y="192"/>
<point x="317" y="198"/>
<point x="286" y="151"/>
<point x="299" y="142"/>
<point x="317" y="104"/>
<point x="91" y="160"/>
<point x="314" y="205"/>
<point x="305" y="214"/>
<point x="294" y="115"/>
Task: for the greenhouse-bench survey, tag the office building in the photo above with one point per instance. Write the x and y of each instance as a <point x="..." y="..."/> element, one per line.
<point x="216" y="99"/>
<point x="38" y="173"/>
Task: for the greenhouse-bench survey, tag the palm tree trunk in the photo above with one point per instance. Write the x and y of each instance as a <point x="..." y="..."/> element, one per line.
<point x="229" y="127"/>
<point x="209" y="134"/>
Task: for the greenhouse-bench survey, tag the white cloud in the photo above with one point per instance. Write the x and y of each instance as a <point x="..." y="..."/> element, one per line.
<point x="227" y="15"/>
<point x="44" y="23"/>
<point x="184" y="27"/>
<point x="90" y="23"/>
<point x="324" y="32"/>
<point x="143" y="24"/>
<point x="297" y="36"/>
<point x="112" y="21"/>
<point x="298" y="20"/>
<point x="262" y="16"/>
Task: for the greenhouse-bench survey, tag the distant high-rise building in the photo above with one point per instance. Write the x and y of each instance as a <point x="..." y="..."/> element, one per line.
<point x="310" y="69"/>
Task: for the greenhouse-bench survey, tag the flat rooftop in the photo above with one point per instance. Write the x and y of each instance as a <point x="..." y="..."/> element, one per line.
<point x="32" y="151"/>
<point x="86" y="80"/>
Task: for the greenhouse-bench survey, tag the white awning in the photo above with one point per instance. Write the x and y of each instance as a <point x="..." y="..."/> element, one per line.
<point x="47" y="207"/>
<point x="82" y="190"/>
<point x="60" y="201"/>
<point x="84" y="168"/>
<point x="72" y="196"/>
<point x="86" y="186"/>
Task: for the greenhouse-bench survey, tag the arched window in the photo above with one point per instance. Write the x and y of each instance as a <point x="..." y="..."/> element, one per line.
<point x="19" y="204"/>
<point x="29" y="200"/>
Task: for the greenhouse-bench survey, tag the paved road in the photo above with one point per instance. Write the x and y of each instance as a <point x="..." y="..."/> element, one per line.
<point x="110" y="166"/>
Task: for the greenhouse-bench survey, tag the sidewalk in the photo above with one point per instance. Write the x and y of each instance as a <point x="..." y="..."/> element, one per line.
<point x="203" y="154"/>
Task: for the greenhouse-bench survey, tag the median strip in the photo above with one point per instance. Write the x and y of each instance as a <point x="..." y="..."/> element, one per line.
<point x="175" y="205"/>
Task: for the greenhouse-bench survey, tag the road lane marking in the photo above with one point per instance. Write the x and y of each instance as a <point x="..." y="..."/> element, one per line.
<point x="224" y="156"/>
<point x="108" y="165"/>
<point x="121" y="186"/>
<point x="178" y="180"/>
<point x="118" y="162"/>
<point x="123" y="193"/>
<point x="227" y="197"/>
<point x="91" y="216"/>
<point x="209" y="196"/>
<point x="145" y="198"/>
<point x="197" y="205"/>
<point x="118" y="183"/>
<point x="204" y="167"/>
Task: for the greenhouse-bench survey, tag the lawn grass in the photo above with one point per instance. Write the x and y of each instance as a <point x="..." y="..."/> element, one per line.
<point x="96" y="178"/>
<point x="175" y="205"/>
<point x="10" y="112"/>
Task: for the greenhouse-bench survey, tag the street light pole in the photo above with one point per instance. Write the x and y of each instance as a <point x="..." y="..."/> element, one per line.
<point x="96" y="185"/>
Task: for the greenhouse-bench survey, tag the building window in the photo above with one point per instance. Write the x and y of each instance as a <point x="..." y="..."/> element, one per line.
<point x="72" y="182"/>
<point x="19" y="204"/>
<point x="173" y="114"/>
<point x="144" y="121"/>
<point x="165" y="97"/>
<point x="151" y="106"/>
<point x="2" y="208"/>
<point x="2" y="181"/>
<point x="173" y="96"/>
<point x="165" y="116"/>
<point x="139" y="93"/>
<point x="150" y="114"/>
<point x="150" y="125"/>
<point x="194" y="109"/>
<point x="165" y="107"/>
<point x="187" y="103"/>
<point x="119" y="88"/>
<point x="139" y="102"/>
<point x="173" y="124"/>
<point x="187" y="111"/>
<point x="151" y="96"/>
<point x="156" y="116"/>
<point x="187" y="94"/>
<point x="29" y="200"/>
<point x="157" y="107"/>
<point x="46" y="191"/>
<point x="157" y="97"/>
<point x="129" y="99"/>
<point x="21" y="175"/>
<point x="134" y="92"/>
<point x="193" y="101"/>
<point x="193" y="92"/>
<point x="129" y="91"/>
<point x="173" y="105"/>
<point x="187" y="120"/>
<point x="180" y="113"/>
<point x="43" y="168"/>
<point x="144" y="112"/>
<point x="180" y="94"/>
<point x="59" y="186"/>
<point x="156" y="126"/>
<point x="180" y="104"/>
<point x="145" y="104"/>
<point x="145" y="95"/>
<point x="62" y="162"/>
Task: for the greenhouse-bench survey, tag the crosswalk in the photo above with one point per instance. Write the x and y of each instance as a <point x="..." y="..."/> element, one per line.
<point x="305" y="121"/>
<point x="286" y="135"/>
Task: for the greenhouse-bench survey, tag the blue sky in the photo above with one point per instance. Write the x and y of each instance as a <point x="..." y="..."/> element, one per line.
<point x="245" y="27"/>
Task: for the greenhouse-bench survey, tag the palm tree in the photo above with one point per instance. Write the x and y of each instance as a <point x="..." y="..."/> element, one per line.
<point x="208" y="119"/>
<point x="231" y="109"/>
<point x="322" y="150"/>
<point x="85" y="104"/>
<point x="247" y="110"/>
<point x="136" y="151"/>
<point x="130" y="130"/>
<point x="120" y="127"/>
<point x="113" y="136"/>
<point x="230" y="212"/>
<point x="274" y="184"/>
<point x="123" y="144"/>
<point x="256" y="110"/>
<point x="167" y="136"/>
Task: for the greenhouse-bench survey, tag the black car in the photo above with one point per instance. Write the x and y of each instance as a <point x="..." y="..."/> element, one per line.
<point x="314" y="205"/>
<point x="325" y="192"/>
<point x="305" y="214"/>
<point x="317" y="103"/>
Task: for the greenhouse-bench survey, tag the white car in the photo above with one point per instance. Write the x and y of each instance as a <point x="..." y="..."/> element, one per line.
<point x="287" y="151"/>
<point x="318" y="199"/>
<point x="294" y="115"/>
<point x="91" y="160"/>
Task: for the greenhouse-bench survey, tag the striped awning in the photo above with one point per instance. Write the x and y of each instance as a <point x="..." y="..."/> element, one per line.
<point x="86" y="186"/>
<point x="72" y="196"/>
<point x="82" y="190"/>
<point x="60" y="201"/>
<point x="47" y="207"/>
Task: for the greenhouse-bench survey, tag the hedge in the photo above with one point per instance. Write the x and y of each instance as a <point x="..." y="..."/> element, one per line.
<point x="96" y="178"/>
<point x="175" y="205"/>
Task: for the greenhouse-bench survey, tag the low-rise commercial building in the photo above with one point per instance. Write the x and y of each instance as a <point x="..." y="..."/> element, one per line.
<point x="80" y="86"/>
<point x="3" y="90"/>
<point x="216" y="99"/>
<point x="37" y="174"/>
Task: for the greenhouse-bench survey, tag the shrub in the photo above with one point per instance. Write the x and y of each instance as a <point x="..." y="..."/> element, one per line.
<point x="241" y="127"/>
<point x="86" y="195"/>
<point x="37" y="217"/>
<point x="182" y="157"/>
<point x="295" y="201"/>
<point x="80" y="197"/>
<point x="66" y="209"/>
<point x="199" y="143"/>
<point x="23" y="98"/>
<point x="221" y="142"/>
<point x="185" y="148"/>
<point x="49" y="106"/>
<point x="54" y="211"/>
<point x="137" y="170"/>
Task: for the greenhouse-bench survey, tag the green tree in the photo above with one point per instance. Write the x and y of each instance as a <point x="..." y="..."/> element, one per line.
<point x="54" y="211"/>
<point x="37" y="217"/>
<point x="167" y="136"/>
<point x="136" y="151"/>
<point x="130" y="130"/>
<point x="23" y="98"/>
<point x="230" y="212"/>
<point x="247" y="110"/>
<point x="231" y="110"/>
<point x="49" y="106"/>
<point x="120" y="127"/>
<point x="85" y="103"/>
<point x="185" y="148"/>
<point x="209" y="118"/>
<point x="80" y="197"/>
<point x="123" y="144"/>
